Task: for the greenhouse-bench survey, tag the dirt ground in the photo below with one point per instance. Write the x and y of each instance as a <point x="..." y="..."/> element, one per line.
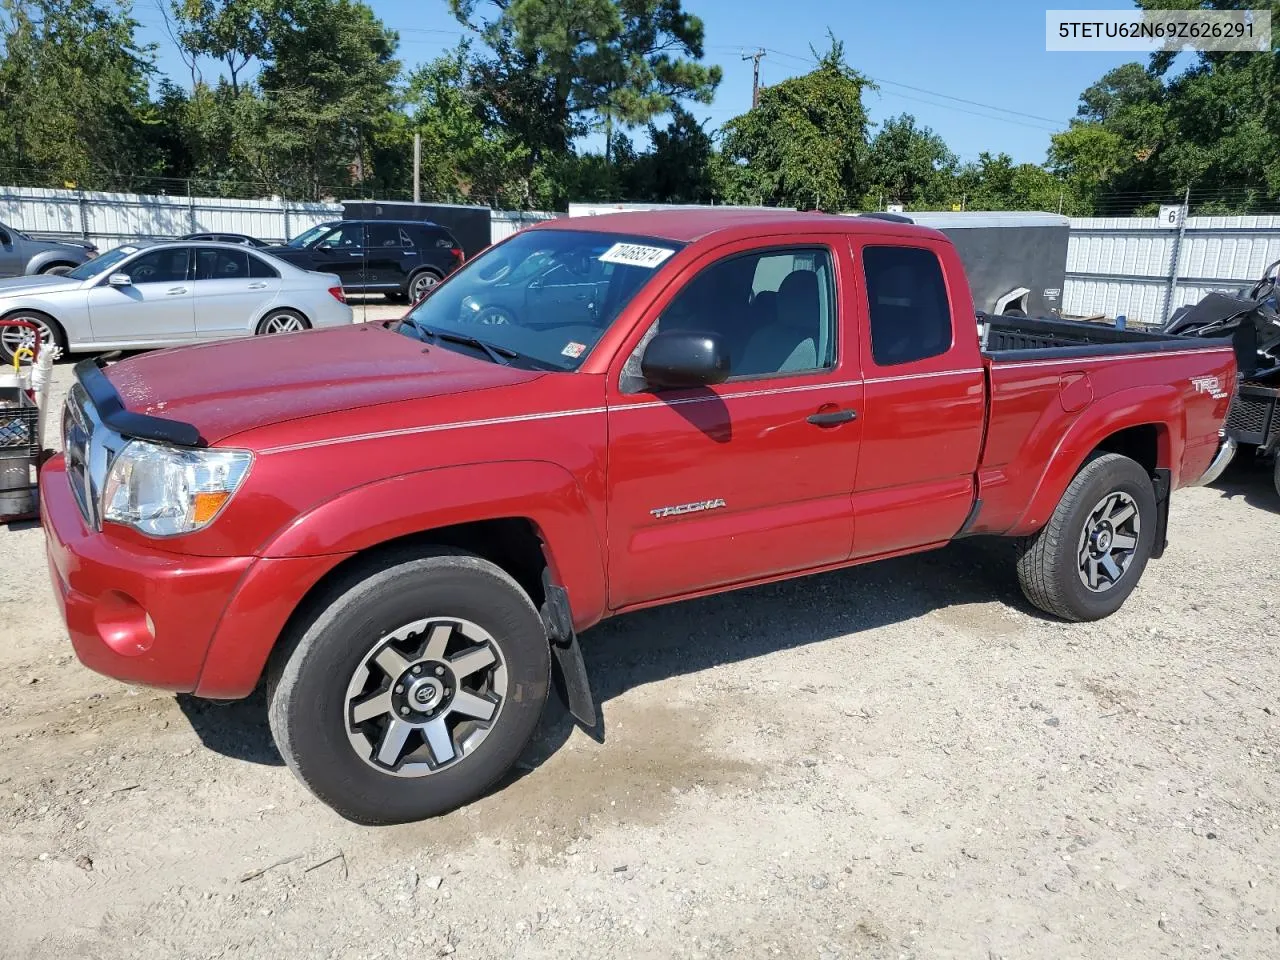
<point x="899" y="761"/>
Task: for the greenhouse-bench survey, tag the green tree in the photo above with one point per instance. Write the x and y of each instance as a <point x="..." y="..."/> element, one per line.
<point x="73" y="92"/>
<point x="805" y="145"/>
<point x="677" y="168"/>
<point x="464" y="156"/>
<point x="588" y="64"/>
<point x="233" y="32"/>
<point x="909" y="164"/>
<point x="1144" y="134"/>
<point x="328" y="96"/>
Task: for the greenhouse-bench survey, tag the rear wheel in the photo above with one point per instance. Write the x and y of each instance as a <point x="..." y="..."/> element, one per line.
<point x="421" y="283"/>
<point x="1084" y="563"/>
<point x="14" y="338"/>
<point x="283" y="321"/>
<point x="412" y="688"/>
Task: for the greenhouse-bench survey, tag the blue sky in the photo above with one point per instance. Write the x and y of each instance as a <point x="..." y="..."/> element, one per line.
<point x="989" y="52"/>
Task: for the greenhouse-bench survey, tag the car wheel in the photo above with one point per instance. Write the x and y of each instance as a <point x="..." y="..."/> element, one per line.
<point x="1276" y="475"/>
<point x="58" y="270"/>
<point x="282" y="321"/>
<point x="14" y="338"/>
<point x="1084" y="563"/>
<point x="1014" y="312"/>
<point x="421" y="283"/>
<point x="411" y="687"/>
<point x="494" y="316"/>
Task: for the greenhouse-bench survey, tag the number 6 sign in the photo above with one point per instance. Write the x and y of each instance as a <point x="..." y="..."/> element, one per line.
<point x="1171" y="215"/>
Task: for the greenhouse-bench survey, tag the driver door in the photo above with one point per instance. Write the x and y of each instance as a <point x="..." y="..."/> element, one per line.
<point x="157" y="306"/>
<point x="750" y="478"/>
<point x="342" y="251"/>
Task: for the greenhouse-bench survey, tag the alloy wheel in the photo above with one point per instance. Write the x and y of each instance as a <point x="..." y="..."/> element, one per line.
<point x="425" y="696"/>
<point x="1108" y="541"/>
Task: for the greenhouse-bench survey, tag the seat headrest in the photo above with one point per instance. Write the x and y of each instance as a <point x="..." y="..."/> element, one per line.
<point x="798" y="301"/>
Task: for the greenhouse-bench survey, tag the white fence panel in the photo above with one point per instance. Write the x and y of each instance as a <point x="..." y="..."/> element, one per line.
<point x="1124" y="265"/>
<point x="110" y="219"/>
<point x="504" y="223"/>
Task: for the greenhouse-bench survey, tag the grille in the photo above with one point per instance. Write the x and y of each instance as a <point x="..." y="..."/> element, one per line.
<point x="77" y="432"/>
<point x="19" y="432"/>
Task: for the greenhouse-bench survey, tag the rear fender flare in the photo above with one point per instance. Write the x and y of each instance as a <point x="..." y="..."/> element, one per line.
<point x="384" y="510"/>
<point x="1161" y="406"/>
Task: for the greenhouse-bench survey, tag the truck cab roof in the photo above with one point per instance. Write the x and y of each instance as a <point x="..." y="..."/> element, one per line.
<point x="729" y="223"/>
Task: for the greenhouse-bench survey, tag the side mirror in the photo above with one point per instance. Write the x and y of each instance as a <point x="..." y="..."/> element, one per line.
<point x="682" y="358"/>
<point x="120" y="280"/>
<point x="5" y="239"/>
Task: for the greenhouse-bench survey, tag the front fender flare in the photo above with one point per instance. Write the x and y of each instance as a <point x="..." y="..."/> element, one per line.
<point x="46" y="258"/>
<point x="542" y="492"/>
<point x="1161" y="406"/>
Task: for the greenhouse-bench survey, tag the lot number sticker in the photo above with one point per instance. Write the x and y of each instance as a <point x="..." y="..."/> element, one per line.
<point x="635" y="255"/>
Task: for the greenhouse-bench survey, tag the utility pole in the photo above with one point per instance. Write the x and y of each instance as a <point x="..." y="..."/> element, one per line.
<point x="755" y="59"/>
<point x="417" y="168"/>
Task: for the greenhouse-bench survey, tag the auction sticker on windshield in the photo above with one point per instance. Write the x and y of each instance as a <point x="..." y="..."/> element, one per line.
<point x="635" y="255"/>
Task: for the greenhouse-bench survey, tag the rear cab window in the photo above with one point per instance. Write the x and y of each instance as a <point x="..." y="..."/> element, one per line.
<point x="908" y="310"/>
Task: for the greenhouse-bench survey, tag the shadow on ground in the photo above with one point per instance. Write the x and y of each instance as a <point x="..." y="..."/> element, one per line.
<point x="696" y="635"/>
<point x="1250" y="478"/>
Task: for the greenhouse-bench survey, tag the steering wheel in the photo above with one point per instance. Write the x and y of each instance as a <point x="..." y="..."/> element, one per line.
<point x="1265" y="287"/>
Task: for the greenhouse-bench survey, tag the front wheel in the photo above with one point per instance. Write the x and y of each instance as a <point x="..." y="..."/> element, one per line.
<point x="1084" y="563"/>
<point x="14" y="338"/>
<point x="412" y="687"/>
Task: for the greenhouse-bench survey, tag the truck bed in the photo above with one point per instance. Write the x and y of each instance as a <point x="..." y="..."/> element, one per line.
<point x="1017" y="338"/>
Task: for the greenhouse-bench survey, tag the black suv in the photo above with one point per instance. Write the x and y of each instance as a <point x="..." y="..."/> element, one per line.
<point x="401" y="258"/>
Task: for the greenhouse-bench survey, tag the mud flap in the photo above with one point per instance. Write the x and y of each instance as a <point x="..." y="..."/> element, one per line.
<point x="558" y="621"/>
<point x="1161" y="481"/>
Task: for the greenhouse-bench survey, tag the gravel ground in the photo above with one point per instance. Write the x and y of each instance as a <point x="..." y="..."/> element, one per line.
<point x="902" y="760"/>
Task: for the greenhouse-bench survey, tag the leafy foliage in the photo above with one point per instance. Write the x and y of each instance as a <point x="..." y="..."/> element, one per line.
<point x="805" y="145"/>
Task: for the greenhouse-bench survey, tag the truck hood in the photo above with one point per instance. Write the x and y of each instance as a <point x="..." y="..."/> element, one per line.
<point x="227" y="388"/>
<point x="20" y="286"/>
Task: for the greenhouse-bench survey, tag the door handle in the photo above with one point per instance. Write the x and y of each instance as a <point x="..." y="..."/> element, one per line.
<point x="355" y="254"/>
<point x="175" y="291"/>
<point x="832" y="418"/>
<point x="257" y="286"/>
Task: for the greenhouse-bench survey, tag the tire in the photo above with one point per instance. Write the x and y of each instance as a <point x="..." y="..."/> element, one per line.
<point x="58" y="270"/>
<point x="1276" y="474"/>
<point x="420" y="282"/>
<point x="1014" y="312"/>
<point x="11" y="338"/>
<point x="1055" y="563"/>
<point x="282" y="321"/>
<point x="381" y="611"/>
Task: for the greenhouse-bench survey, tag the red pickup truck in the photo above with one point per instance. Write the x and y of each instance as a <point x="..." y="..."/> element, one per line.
<point x="400" y="526"/>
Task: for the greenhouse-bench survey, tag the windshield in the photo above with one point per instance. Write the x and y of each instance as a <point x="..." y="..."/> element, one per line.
<point x="92" y="268"/>
<point x="544" y="297"/>
<point x="305" y="238"/>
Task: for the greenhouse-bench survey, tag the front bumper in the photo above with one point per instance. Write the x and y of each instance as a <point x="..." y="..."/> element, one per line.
<point x="1221" y="460"/>
<point x="135" y="613"/>
<point x="192" y="624"/>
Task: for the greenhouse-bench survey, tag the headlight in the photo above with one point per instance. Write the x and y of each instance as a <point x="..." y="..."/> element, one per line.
<point x="165" y="491"/>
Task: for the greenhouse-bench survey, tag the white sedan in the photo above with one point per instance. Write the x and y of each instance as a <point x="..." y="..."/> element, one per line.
<point x="165" y="294"/>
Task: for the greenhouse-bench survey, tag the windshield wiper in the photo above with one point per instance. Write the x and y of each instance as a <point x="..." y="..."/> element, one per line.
<point x="502" y="355"/>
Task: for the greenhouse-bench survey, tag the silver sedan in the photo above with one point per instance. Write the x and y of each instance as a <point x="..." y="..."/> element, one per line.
<point x="165" y="294"/>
